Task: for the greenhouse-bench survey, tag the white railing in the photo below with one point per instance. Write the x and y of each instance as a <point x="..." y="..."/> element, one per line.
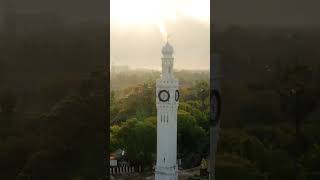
<point x="119" y="170"/>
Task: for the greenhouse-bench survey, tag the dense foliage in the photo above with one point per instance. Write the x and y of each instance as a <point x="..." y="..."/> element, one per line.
<point x="53" y="143"/>
<point x="270" y="102"/>
<point x="52" y="111"/>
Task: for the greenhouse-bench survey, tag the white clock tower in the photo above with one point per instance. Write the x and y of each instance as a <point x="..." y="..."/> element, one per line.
<point x="167" y="94"/>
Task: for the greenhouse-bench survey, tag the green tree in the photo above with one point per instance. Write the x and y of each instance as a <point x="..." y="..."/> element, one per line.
<point x="138" y="138"/>
<point x="193" y="107"/>
<point x="71" y="138"/>
<point x="114" y="139"/>
<point x="191" y="137"/>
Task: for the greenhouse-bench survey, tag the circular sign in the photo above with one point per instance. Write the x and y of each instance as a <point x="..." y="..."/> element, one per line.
<point x="215" y="109"/>
<point x="164" y="95"/>
<point x="177" y="95"/>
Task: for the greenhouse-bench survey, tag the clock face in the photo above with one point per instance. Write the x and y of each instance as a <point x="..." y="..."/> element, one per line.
<point x="177" y="94"/>
<point x="164" y="95"/>
<point x="215" y="107"/>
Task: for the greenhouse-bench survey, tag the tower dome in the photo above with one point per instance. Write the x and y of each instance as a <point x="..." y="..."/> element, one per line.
<point x="167" y="49"/>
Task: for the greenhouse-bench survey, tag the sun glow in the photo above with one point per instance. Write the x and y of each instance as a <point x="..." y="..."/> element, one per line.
<point x="139" y="13"/>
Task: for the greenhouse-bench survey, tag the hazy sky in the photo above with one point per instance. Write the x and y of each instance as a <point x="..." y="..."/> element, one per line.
<point x="139" y="30"/>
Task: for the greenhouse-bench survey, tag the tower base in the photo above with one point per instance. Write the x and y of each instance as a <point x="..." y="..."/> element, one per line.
<point x="164" y="173"/>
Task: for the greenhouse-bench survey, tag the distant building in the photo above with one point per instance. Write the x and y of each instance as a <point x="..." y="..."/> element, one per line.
<point x="119" y="68"/>
<point x="119" y="164"/>
<point x="117" y="158"/>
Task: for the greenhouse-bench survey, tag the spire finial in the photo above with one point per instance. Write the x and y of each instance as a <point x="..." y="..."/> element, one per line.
<point x="168" y="37"/>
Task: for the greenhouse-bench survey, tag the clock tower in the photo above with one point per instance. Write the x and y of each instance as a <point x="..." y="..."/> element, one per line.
<point x="167" y="101"/>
